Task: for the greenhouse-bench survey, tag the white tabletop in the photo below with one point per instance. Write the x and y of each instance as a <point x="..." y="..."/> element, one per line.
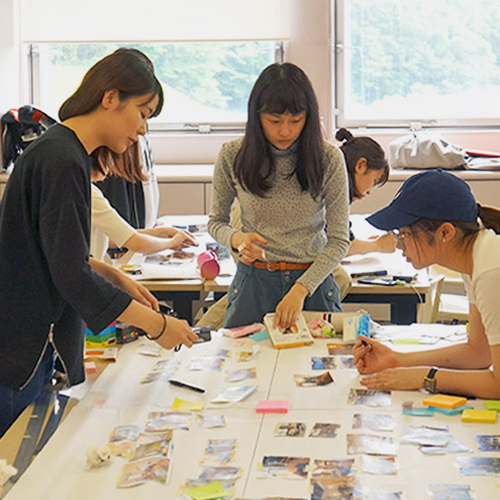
<point x="118" y="398"/>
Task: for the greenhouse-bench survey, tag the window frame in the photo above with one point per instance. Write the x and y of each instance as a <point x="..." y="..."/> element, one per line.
<point x="31" y="53"/>
<point x="340" y="82"/>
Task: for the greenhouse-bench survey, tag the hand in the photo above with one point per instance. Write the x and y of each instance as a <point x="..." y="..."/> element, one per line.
<point x="290" y="306"/>
<point x="372" y="357"/>
<point x="137" y="291"/>
<point x="248" y="247"/>
<point x="386" y="243"/>
<point x="400" y="379"/>
<point x="177" y="332"/>
<point x="183" y="239"/>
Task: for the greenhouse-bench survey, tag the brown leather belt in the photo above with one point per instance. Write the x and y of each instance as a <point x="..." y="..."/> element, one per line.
<point x="281" y="266"/>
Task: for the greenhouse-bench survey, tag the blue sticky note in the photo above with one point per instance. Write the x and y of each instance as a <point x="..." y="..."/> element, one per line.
<point x="418" y="412"/>
<point x="451" y="411"/>
<point x="260" y="336"/>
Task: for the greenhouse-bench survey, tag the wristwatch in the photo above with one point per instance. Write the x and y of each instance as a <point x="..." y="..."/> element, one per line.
<point x="430" y="380"/>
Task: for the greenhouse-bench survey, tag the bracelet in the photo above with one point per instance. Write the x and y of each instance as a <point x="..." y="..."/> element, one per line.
<point x="162" y="330"/>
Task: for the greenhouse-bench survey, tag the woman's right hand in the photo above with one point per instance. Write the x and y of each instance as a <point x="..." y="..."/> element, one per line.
<point x="176" y="332"/>
<point x="248" y="247"/>
<point x="385" y="243"/>
<point x="183" y="239"/>
<point x="371" y="356"/>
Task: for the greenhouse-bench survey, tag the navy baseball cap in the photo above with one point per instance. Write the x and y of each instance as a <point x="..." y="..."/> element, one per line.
<point x="434" y="194"/>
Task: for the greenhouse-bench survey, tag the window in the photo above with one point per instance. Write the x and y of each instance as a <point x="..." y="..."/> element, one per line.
<point x="433" y="61"/>
<point x="206" y="84"/>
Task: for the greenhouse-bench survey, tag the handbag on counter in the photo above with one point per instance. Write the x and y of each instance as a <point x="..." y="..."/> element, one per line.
<point x="422" y="150"/>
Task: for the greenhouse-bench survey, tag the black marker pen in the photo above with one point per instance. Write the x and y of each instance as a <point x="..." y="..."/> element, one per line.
<point x="178" y="383"/>
<point x="369" y="273"/>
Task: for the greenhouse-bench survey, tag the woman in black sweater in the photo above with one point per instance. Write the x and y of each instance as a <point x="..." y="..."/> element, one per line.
<point x="49" y="283"/>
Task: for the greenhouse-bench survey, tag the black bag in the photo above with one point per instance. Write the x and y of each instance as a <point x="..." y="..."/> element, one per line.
<point x="19" y="128"/>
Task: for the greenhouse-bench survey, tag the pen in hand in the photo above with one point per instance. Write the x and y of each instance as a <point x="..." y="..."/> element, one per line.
<point x="178" y="383"/>
<point x="364" y="343"/>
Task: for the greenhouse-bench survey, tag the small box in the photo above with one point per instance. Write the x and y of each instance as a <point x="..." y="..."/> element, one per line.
<point x="105" y="338"/>
<point x="355" y="325"/>
<point x="297" y="335"/>
<point x="479" y="416"/>
<point x="90" y="367"/>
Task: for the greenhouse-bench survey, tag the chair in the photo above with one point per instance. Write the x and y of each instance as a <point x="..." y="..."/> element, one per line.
<point x="429" y="311"/>
<point x="453" y="303"/>
<point x="453" y="307"/>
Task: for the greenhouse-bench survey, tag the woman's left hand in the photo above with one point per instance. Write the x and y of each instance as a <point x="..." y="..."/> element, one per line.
<point x="137" y="291"/>
<point x="290" y="306"/>
<point x="400" y="379"/>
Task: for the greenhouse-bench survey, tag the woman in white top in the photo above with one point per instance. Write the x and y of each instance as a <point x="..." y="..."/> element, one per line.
<point x="437" y="221"/>
<point x="109" y="228"/>
<point x="108" y="225"/>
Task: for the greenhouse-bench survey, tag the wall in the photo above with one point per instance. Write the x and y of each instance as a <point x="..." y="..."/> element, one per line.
<point x="309" y="48"/>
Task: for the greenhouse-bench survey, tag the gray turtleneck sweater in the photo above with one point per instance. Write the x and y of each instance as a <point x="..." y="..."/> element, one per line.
<point x="296" y="227"/>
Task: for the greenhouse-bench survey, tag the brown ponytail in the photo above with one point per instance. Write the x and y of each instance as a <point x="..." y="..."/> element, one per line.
<point x="490" y="217"/>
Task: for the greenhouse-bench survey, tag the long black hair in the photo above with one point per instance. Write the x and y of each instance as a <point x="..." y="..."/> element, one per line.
<point x="281" y="88"/>
<point x="355" y="148"/>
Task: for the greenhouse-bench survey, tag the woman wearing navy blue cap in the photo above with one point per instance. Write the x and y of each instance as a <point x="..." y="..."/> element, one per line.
<point x="437" y="220"/>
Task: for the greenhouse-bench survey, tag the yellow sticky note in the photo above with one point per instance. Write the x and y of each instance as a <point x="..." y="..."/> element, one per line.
<point x="480" y="416"/>
<point x="183" y="405"/>
<point x="209" y="492"/>
<point x="405" y="341"/>
<point x="445" y="401"/>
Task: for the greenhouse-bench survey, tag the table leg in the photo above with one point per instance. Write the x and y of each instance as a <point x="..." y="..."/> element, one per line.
<point x="182" y="302"/>
<point x="403" y="307"/>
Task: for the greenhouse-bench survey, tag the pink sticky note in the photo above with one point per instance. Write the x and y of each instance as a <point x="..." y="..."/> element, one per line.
<point x="273" y="406"/>
<point x="90" y="366"/>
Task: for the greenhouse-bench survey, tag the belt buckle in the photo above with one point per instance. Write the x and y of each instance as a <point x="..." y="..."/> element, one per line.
<point x="270" y="267"/>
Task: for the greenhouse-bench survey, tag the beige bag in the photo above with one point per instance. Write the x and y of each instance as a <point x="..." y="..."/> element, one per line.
<point x="425" y="150"/>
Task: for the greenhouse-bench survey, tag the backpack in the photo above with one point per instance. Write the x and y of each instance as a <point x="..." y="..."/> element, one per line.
<point x="19" y="128"/>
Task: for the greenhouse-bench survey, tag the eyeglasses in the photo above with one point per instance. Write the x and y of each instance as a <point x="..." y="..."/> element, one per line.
<point x="400" y="236"/>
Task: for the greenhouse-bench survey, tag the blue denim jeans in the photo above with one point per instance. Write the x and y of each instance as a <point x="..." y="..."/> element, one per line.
<point x="255" y="292"/>
<point x="14" y="401"/>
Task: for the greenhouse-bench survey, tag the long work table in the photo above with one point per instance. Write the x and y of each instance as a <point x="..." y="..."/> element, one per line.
<point x="363" y="437"/>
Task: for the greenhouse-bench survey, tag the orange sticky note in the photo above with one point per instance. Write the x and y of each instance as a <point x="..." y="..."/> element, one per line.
<point x="273" y="406"/>
<point x="479" y="416"/>
<point x="445" y="401"/>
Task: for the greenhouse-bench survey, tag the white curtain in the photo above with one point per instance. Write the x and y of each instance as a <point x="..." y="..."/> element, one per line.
<point x="154" y="20"/>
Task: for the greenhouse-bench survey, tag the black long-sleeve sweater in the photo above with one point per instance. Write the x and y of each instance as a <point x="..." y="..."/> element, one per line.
<point x="45" y="275"/>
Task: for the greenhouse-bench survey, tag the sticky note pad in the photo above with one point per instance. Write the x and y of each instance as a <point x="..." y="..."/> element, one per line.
<point x="479" y="416"/>
<point x="273" y="406"/>
<point x="451" y="411"/>
<point x="492" y="404"/>
<point x="209" y="492"/>
<point x="418" y="412"/>
<point x="183" y="405"/>
<point x="445" y="401"/>
<point x="405" y="341"/>
<point x="260" y="336"/>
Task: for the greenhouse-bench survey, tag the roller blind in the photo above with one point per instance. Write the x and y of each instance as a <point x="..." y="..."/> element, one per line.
<point x="154" y="20"/>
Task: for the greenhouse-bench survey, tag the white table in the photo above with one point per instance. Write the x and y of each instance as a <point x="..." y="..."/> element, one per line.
<point x="58" y="472"/>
